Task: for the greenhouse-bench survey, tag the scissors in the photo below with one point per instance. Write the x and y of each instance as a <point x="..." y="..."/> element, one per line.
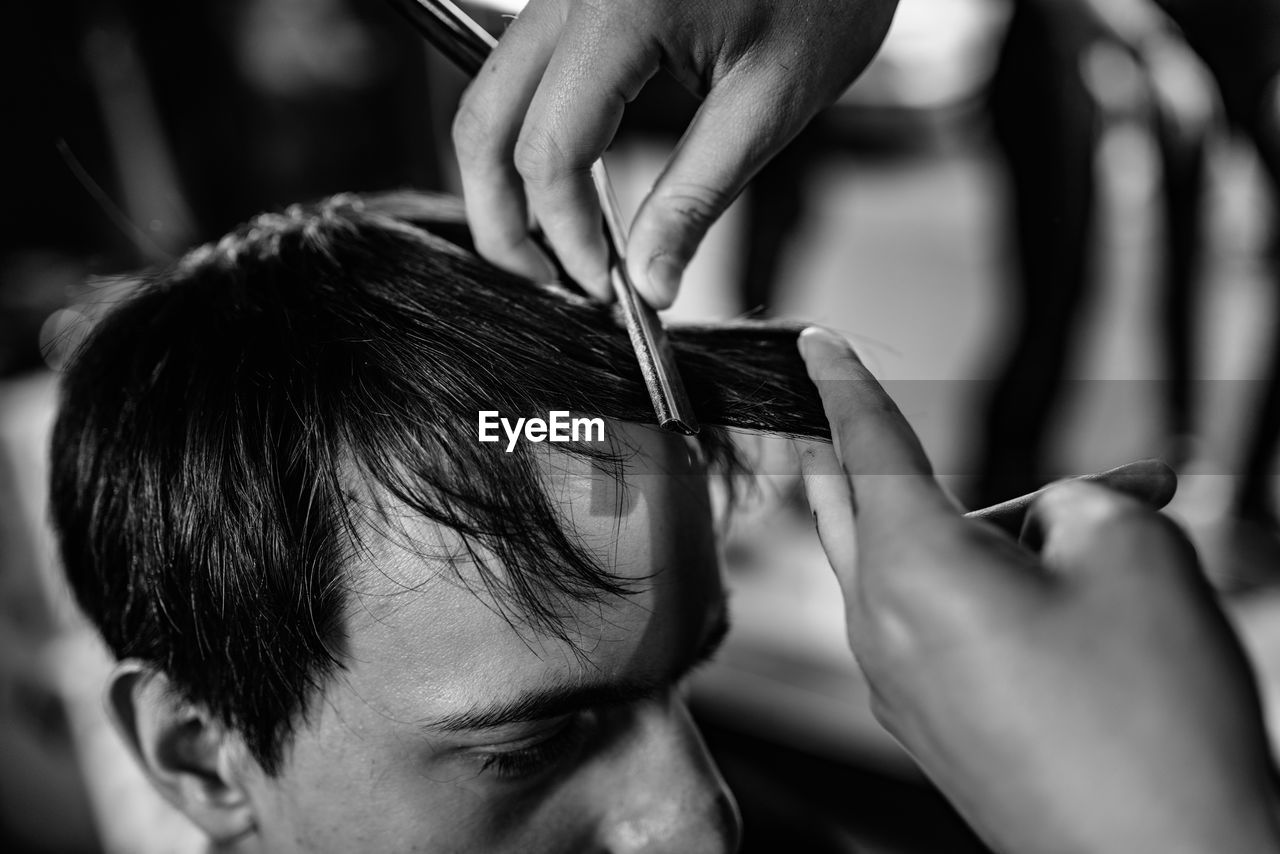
<point x="455" y="34"/>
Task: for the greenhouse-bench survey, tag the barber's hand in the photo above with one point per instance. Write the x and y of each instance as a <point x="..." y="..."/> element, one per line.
<point x="1075" y="689"/>
<point x="548" y="102"/>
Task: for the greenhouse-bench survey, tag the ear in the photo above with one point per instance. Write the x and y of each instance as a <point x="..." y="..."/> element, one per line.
<point x="194" y="762"/>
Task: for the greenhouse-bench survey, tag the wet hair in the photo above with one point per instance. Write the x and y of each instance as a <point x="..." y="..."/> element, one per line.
<point x="216" y="426"/>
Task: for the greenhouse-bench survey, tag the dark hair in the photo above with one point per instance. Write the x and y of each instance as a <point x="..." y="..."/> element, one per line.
<point x="214" y="425"/>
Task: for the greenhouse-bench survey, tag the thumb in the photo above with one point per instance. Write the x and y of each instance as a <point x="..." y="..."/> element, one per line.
<point x="743" y="122"/>
<point x="1082" y="529"/>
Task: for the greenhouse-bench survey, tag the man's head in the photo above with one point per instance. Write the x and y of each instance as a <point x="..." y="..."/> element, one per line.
<point x="346" y="624"/>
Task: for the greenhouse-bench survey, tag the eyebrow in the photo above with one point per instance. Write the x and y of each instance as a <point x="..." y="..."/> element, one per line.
<point x="557" y="700"/>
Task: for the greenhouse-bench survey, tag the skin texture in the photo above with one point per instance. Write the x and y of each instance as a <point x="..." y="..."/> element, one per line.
<point x="548" y="101"/>
<point x="1074" y="689"/>
<point x="372" y="770"/>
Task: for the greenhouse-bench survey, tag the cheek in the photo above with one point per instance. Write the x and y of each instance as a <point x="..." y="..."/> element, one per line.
<point x="347" y="788"/>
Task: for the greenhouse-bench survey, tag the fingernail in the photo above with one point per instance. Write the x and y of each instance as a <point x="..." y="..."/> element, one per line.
<point x="532" y="262"/>
<point x="549" y="271"/>
<point x="600" y="288"/>
<point x="816" y="336"/>
<point x="664" y="279"/>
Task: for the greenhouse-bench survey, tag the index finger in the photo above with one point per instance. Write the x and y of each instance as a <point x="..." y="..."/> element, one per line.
<point x="894" y="492"/>
<point x="485" y="130"/>
<point x="599" y="65"/>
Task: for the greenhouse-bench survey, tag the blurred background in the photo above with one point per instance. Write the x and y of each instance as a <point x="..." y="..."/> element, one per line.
<point x="1047" y="224"/>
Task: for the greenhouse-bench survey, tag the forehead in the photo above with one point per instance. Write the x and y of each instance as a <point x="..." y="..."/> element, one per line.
<point x="426" y="638"/>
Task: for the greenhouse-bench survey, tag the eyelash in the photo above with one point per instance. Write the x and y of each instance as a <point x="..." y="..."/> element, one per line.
<point x="564" y="741"/>
<point x="550" y="751"/>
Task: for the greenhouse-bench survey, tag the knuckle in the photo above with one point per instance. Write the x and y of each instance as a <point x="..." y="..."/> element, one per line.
<point x="923" y="596"/>
<point x="694" y="207"/>
<point x="1129" y="520"/>
<point x="471" y="131"/>
<point x="540" y="160"/>
<point x="1105" y="514"/>
<point x="608" y="10"/>
<point x="1153" y="540"/>
<point x="964" y="582"/>
<point x="892" y="643"/>
<point x="636" y="17"/>
<point x="818" y="459"/>
<point x="500" y="238"/>
<point x="1089" y="504"/>
<point x="1107" y="522"/>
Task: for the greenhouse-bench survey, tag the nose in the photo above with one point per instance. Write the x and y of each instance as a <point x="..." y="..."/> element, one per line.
<point x="670" y="797"/>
